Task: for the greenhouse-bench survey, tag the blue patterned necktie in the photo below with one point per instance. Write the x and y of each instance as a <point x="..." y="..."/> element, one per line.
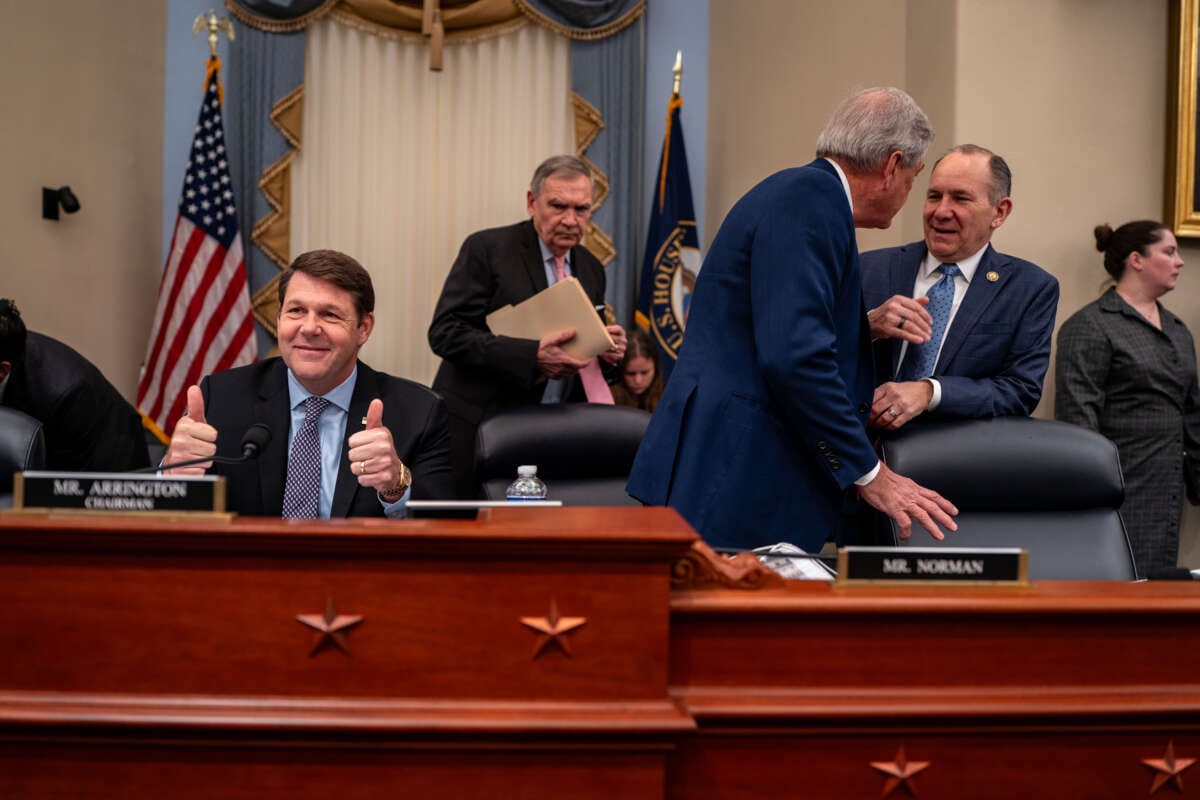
<point x="919" y="361"/>
<point x="302" y="492"/>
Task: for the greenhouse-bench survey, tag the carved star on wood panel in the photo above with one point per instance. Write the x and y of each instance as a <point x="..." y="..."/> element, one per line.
<point x="332" y="626"/>
<point x="1168" y="769"/>
<point x="900" y="772"/>
<point x="553" y="630"/>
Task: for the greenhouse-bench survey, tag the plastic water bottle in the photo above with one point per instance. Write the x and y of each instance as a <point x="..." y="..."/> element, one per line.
<point x="527" y="486"/>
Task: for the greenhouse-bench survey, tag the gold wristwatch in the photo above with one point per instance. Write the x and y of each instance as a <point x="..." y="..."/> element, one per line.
<point x="402" y="483"/>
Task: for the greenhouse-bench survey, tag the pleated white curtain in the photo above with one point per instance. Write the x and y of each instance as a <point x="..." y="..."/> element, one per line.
<point x="399" y="164"/>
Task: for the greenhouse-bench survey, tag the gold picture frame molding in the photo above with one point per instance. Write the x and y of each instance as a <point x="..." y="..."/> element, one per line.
<point x="1181" y="212"/>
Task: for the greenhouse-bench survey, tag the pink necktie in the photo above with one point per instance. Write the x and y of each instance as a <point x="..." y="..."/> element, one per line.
<point x="594" y="385"/>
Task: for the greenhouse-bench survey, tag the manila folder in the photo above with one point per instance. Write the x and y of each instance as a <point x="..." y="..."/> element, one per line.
<point x="564" y="305"/>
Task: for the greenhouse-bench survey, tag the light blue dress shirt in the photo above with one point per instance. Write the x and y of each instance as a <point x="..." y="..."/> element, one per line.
<point x="333" y="433"/>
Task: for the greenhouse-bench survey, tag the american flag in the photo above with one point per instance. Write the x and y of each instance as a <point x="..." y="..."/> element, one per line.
<point x="203" y="322"/>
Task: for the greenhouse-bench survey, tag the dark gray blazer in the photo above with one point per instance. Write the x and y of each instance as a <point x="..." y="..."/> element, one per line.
<point x="1119" y="375"/>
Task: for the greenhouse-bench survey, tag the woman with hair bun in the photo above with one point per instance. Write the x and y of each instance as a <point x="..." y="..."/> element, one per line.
<point x="1126" y="367"/>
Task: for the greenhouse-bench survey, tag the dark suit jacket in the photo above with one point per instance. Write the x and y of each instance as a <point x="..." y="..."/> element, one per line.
<point x="88" y="425"/>
<point x="997" y="349"/>
<point x="237" y="398"/>
<point x="762" y="426"/>
<point x="483" y="374"/>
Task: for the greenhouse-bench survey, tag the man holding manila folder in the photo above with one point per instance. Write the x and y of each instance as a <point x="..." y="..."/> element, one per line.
<point x="343" y="440"/>
<point x="762" y="430"/>
<point x="484" y="372"/>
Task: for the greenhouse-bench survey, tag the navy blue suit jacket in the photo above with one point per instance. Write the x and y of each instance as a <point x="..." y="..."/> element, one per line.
<point x="997" y="349"/>
<point x="762" y="426"/>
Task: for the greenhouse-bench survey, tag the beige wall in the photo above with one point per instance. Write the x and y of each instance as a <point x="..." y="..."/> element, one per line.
<point x="1071" y="92"/>
<point x="83" y="94"/>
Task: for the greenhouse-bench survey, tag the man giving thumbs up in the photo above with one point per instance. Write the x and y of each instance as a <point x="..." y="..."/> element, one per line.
<point x="347" y="441"/>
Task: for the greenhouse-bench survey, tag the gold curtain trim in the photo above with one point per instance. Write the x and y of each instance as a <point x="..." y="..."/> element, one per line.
<point x="271" y="233"/>
<point x="478" y="20"/>
<point x="279" y="26"/>
<point x="599" y="244"/>
<point x="346" y="16"/>
<point x="288" y="115"/>
<point x="601" y="187"/>
<point x="584" y="34"/>
<point x="588" y="122"/>
<point x="265" y="305"/>
<point x="409" y="17"/>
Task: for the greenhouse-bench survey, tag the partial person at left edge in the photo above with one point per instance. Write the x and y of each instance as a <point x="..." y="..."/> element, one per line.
<point x="347" y="441"/>
<point x="88" y="425"/>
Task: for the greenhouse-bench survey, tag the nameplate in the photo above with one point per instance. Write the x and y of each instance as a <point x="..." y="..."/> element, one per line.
<point x="934" y="565"/>
<point x="105" y="492"/>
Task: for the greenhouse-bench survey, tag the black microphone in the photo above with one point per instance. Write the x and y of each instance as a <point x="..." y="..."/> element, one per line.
<point x="254" y="440"/>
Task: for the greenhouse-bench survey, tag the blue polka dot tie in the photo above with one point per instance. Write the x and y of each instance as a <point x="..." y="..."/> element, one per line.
<point x="919" y="361"/>
<point x="302" y="492"/>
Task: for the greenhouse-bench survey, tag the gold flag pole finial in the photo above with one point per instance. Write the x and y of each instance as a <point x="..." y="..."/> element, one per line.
<point x="213" y="24"/>
<point x="678" y="71"/>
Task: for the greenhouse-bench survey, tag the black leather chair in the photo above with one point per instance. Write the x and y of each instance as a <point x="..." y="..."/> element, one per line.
<point x="1051" y="488"/>
<point x="583" y="451"/>
<point x="22" y="447"/>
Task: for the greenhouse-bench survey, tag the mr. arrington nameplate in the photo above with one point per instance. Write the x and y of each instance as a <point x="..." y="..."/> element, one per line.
<point x="942" y="565"/>
<point x="114" y="491"/>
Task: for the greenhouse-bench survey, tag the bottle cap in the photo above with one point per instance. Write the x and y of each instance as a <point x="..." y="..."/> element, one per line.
<point x="527" y="470"/>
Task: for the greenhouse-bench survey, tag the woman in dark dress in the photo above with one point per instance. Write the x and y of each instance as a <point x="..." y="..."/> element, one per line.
<point x="1126" y="367"/>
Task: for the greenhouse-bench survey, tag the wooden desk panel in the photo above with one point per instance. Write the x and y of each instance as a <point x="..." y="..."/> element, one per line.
<point x="162" y="658"/>
<point x="100" y="771"/>
<point x="1059" y="690"/>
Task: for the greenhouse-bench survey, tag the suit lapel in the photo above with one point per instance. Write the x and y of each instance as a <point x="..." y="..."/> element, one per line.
<point x="366" y="388"/>
<point x="271" y="408"/>
<point x="587" y="277"/>
<point x="979" y="296"/>
<point x="532" y="259"/>
<point x="903" y="278"/>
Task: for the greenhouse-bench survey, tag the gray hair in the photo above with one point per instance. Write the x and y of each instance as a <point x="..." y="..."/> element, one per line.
<point x="564" y="165"/>
<point x="1001" y="175"/>
<point x="872" y="124"/>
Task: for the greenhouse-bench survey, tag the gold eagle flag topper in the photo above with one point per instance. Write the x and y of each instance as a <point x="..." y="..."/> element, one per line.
<point x="213" y="24"/>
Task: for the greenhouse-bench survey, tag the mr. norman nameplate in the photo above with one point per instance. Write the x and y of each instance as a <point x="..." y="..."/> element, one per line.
<point x="116" y="492"/>
<point x="940" y="565"/>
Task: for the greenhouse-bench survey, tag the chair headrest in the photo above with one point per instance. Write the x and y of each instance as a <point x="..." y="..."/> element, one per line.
<point x="1010" y="464"/>
<point x="22" y="445"/>
<point x="580" y="440"/>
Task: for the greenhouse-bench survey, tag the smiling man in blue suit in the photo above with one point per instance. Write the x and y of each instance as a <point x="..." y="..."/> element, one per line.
<point x="990" y="357"/>
<point x="762" y="429"/>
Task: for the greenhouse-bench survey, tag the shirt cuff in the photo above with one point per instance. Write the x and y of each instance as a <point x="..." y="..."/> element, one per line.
<point x="936" y="400"/>
<point x="869" y="476"/>
<point x="398" y="509"/>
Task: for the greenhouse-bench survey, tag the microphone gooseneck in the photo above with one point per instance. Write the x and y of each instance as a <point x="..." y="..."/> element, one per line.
<point x="254" y="440"/>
